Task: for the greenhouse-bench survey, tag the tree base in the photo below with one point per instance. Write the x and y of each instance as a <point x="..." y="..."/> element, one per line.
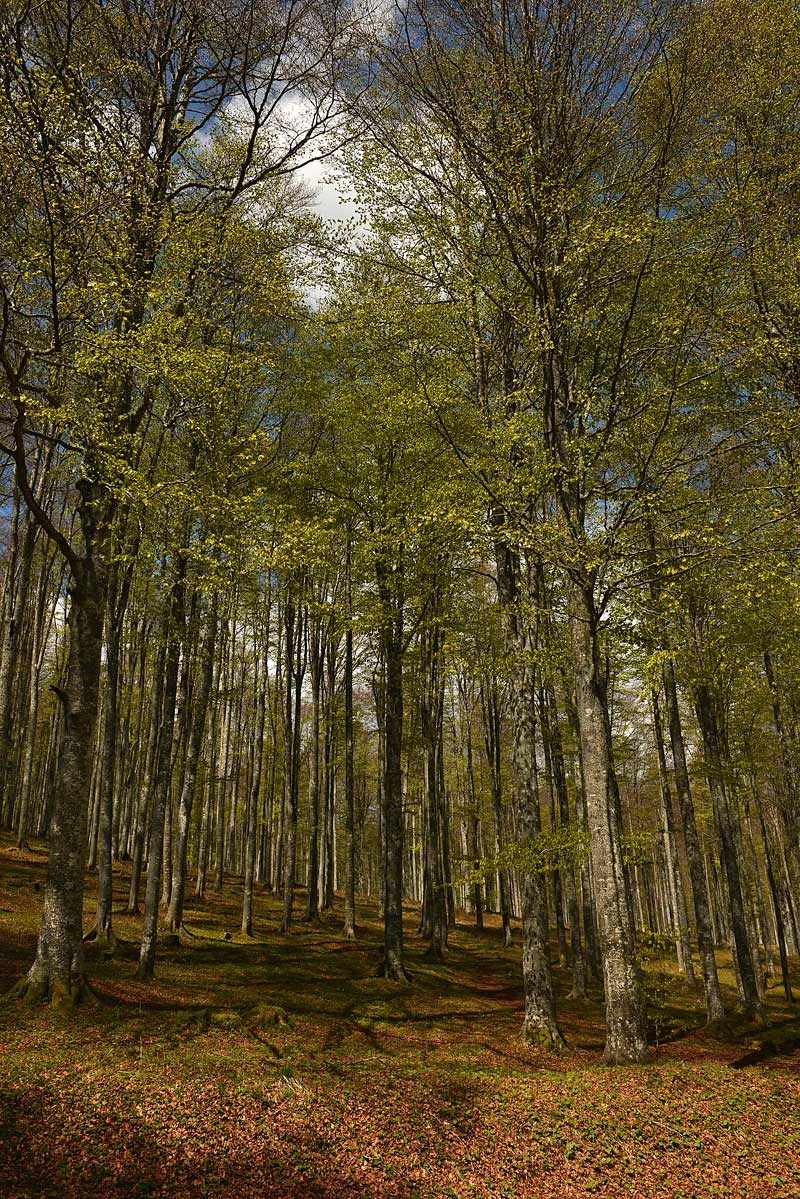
<point x="436" y="951"/>
<point x="102" y="941"/>
<point x="627" y="1055"/>
<point x="395" y="972"/>
<point x="543" y="1037"/>
<point x="36" y="988"/>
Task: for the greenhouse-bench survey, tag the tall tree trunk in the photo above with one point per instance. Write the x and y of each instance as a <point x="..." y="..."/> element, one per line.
<point x="349" y="776"/>
<point x="674" y="880"/>
<point x="200" y="698"/>
<point x="715" y="756"/>
<point x="102" y="926"/>
<point x="390" y="583"/>
<point x="43" y="623"/>
<point x="492" y="741"/>
<point x="540" y="1025"/>
<point x="295" y="651"/>
<point x="626" y="1022"/>
<point x="593" y="967"/>
<point x="558" y="894"/>
<point x="329" y="779"/>
<point x="579" y="971"/>
<point x="474" y="828"/>
<point x="434" y="926"/>
<point x="253" y="801"/>
<point x="146" y="787"/>
<point x="715" y="1011"/>
<point x="393" y="965"/>
<point x="223" y="761"/>
<point x="776" y="905"/>
<point x="315" y="647"/>
<point x="174" y="625"/>
<point x="58" y="969"/>
<point x="9" y="642"/>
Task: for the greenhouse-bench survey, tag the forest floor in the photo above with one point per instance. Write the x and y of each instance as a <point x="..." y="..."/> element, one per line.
<point x="280" y="1066"/>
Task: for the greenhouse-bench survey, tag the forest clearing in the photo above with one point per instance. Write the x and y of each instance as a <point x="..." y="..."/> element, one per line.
<point x="400" y="597"/>
<point x="280" y="1066"/>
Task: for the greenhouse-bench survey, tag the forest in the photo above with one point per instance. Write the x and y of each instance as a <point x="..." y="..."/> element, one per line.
<point x="399" y="598"/>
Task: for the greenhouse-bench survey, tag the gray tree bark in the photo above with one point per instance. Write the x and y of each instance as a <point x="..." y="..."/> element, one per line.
<point x="626" y="1019"/>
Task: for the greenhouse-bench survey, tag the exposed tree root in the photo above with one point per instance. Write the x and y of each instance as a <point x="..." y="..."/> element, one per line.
<point x="37" y="988"/>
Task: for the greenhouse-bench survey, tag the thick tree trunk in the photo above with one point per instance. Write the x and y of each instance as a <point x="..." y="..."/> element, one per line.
<point x="57" y="972"/>
<point x="626" y="1019"/>
<point x="540" y="1025"/>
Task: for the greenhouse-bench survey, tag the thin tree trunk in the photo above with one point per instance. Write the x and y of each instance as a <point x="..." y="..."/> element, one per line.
<point x="349" y="778"/>
<point x="200" y="698"/>
<point x="146" y="787"/>
<point x="674" y="880"/>
<point x="295" y="642"/>
<point x="315" y="655"/>
<point x="715" y="754"/>
<point x="579" y="970"/>
<point x="491" y="725"/>
<point x="255" y="792"/>
<point x="174" y="624"/>
<point x="715" y="1011"/>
